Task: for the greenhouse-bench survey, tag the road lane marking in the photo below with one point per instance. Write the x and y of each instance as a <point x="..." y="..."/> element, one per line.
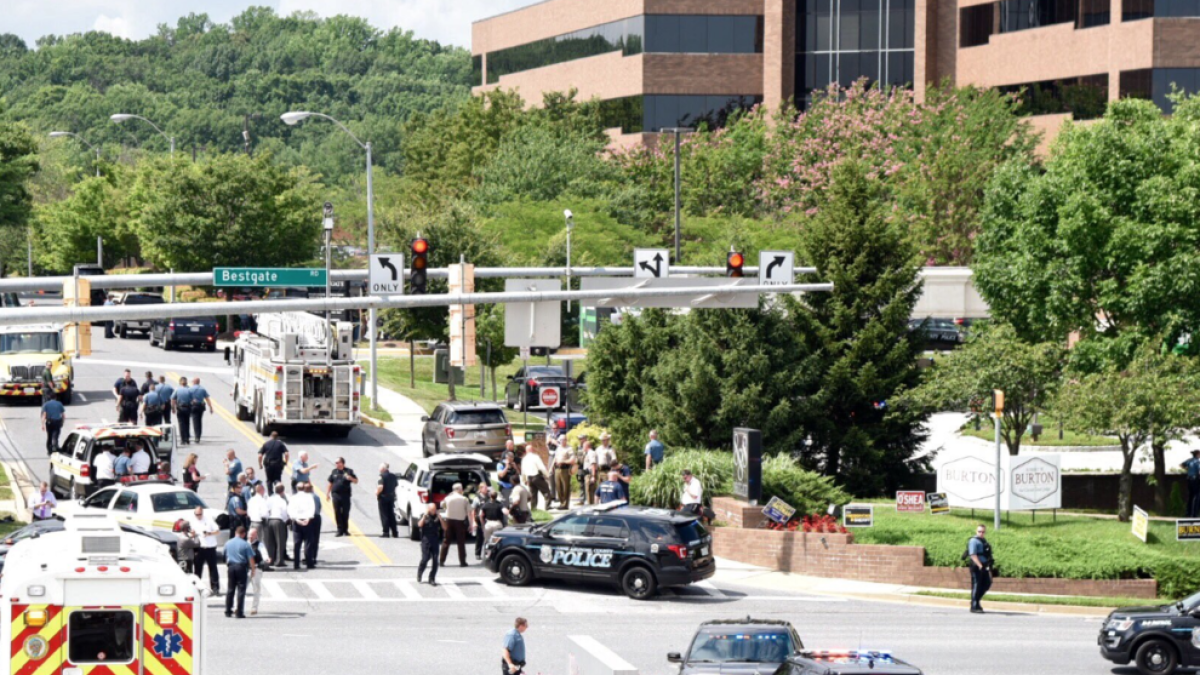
<point x="320" y="590"/>
<point x="365" y="590"/>
<point x="273" y="590"/>
<point x="453" y="591"/>
<point x="711" y="590"/>
<point x="407" y="589"/>
<point x="492" y="587"/>
<point x="374" y="553"/>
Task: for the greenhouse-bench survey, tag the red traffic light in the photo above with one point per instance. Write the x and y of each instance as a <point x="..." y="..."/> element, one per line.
<point x="420" y="246"/>
<point x="736" y="260"/>
<point x="418" y="263"/>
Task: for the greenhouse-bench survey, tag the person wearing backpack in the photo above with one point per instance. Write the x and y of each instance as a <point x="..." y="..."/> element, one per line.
<point x="980" y="560"/>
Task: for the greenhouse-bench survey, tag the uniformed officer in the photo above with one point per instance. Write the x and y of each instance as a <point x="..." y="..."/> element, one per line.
<point x="149" y="383"/>
<point x="432" y="530"/>
<point x="612" y="489"/>
<point x="182" y="401"/>
<point x="271" y="457"/>
<point x="200" y="399"/>
<point x="121" y="382"/>
<point x="151" y="405"/>
<point x="490" y="515"/>
<point x="385" y="493"/>
<point x="48" y="381"/>
<point x="165" y="394"/>
<point x="127" y="403"/>
<point x="340" y="482"/>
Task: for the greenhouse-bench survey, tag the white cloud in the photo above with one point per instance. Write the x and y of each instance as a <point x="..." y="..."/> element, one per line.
<point x="448" y="21"/>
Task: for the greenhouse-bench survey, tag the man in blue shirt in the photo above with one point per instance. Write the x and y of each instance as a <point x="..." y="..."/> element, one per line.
<point x="233" y="468"/>
<point x="235" y="508"/>
<point x="979" y="551"/>
<point x="514" y="648"/>
<point x="655" y="451"/>
<point x="612" y="489"/>
<point x="166" y="394"/>
<point x="200" y="398"/>
<point x="183" y="410"/>
<point x="1193" y="481"/>
<point x="53" y="416"/>
<point x="239" y="558"/>
<point x="151" y="406"/>
<point x="121" y="466"/>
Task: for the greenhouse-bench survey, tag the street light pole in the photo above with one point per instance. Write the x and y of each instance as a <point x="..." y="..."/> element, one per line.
<point x="60" y="134"/>
<point x="293" y="118"/>
<point x="121" y="117"/>
<point x="328" y="227"/>
<point x="570" y="225"/>
<point x="678" y="144"/>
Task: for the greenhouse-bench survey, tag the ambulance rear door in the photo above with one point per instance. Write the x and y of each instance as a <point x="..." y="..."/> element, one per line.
<point x="37" y="639"/>
<point x="170" y="636"/>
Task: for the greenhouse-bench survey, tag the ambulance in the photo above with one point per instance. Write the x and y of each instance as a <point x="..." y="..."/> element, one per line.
<point x="91" y="600"/>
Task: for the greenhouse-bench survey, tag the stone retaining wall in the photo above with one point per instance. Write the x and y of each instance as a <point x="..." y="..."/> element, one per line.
<point x="837" y="556"/>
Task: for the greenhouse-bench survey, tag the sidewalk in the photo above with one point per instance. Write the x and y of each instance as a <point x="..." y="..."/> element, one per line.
<point x="406" y="414"/>
<point x="760" y="577"/>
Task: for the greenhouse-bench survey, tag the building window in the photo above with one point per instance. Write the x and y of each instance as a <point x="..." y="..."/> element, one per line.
<point x="654" y="112"/>
<point x="683" y="34"/>
<point x="664" y="33"/>
<point x="477" y="70"/>
<point x="1094" y="13"/>
<point x="1132" y="10"/>
<point x="1084" y="97"/>
<point x="978" y="22"/>
<point x="1155" y="84"/>
<point x="1017" y="15"/>
<point x="1137" y="84"/>
<point x="844" y="40"/>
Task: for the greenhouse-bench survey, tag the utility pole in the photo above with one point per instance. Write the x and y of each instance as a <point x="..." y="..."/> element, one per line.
<point x="998" y="400"/>
<point x="678" y="144"/>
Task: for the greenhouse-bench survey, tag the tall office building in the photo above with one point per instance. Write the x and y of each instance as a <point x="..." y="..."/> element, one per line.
<point x="667" y="63"/>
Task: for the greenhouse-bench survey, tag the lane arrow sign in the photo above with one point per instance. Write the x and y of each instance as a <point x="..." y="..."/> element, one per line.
<point x="776" y="262"/>
<point x="657" y="269"/>
<point x="387" y="264"/>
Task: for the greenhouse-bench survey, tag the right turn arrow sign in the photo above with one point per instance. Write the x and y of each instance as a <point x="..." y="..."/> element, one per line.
<point x="776" y="268"/>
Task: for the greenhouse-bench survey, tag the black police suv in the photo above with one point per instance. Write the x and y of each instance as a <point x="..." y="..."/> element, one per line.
<point x="855" y="662"/>
<point x="732" y="647"/>
<point x="638" y="548"/>
<point x="1158" y="640"/>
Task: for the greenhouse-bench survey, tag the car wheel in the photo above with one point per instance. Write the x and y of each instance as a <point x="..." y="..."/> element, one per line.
<point x="523" y="403"/>
<point x="212" y="348"/>
<point x="243" y="413"/>
<point x="166" y="344"/>
<point x="515" y="570"/>
<point x="259" y="426"/>
<point x="638" y="583"/>
<point x="124" y="332"/>
<point x="413" y="532"/>
<point x="52" y="479"/>
<point x="437" y="447"/>
<point x="1156" y="657"/>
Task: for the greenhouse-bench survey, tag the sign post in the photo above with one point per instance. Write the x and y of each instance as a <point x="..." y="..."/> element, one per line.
<point x="747" y="464"/>
<point x="998" y="399"/>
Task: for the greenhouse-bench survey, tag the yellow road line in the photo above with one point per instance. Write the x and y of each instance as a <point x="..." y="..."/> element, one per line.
<point x="368" y="547"/>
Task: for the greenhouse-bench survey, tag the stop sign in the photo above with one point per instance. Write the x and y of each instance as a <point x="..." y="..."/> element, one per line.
<point x="549" y="397"/>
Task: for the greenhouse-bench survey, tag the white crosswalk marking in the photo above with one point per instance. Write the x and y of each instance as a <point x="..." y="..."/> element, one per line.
<point x="272" y="590"/>
<point x="365" y="589"/>
<point x="320" y="590"/>
<point x="407" y="589"/>
<point x="492" y="588"/>
<point x="453" y="591"/>
<point x="711" y="590"/>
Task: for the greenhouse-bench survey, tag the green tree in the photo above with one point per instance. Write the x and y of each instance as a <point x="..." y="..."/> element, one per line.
<point x="994" y="358"/>
<point x="1081" y="247"/>
<point x="858" y="354"/>
<point x="18" y="163"/>
<point x="230" y="210"/>
<point x="541" y="163"/>
<point x="1154" y="394"/>
<point x="99" y="207"/>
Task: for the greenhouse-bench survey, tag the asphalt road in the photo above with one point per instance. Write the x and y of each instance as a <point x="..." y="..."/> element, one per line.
<point x="360" y="612"/>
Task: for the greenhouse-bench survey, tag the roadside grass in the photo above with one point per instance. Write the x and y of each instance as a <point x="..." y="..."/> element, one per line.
<point x="540" y="516"/>
<point x="369" y="408"/>
<point x="1060" y="600"/>
<point x="1073" y="547"/>
<point x="1048" y="438"/>
<point x="5" y="484"/>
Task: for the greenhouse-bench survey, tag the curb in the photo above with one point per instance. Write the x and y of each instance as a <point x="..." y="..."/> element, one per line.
<point x="371" y="421"/>
<point x="1031" y="608"/>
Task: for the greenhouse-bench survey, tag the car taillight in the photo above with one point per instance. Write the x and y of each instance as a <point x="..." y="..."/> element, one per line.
<point x="959" y="322"/>
<point x="679" y="550"/>
<point x="85" y="471"/>
<point x="449" y="432"/>
<point x="171" y="325"/>
<point x="210" y="338"/>
<point x="532" y="383"/>
<point x="423" y="495"/>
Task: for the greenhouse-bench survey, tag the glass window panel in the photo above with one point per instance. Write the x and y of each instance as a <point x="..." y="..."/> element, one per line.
<point x="649" y="104"/>
<point x="743" y="34"/>
<point x="691" y="110"/>
<point x="868" y="24"/>
<point x="693" y="33"/>
<point x="909" y="66"/>
<point x="847" y="68"/>
<point x="666" y="112"/>
<point x="824" y="74"/>
<point x="824" y="25"/>
<point x="910" y="16"/>
<point x="895" y="27"/>
<point x="848" y="25"/>
<point x="895" y="68"/>
<point x="720" y="34"/>
<point x="868" y="65"/>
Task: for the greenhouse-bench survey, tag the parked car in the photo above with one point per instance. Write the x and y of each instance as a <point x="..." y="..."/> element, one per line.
<point x="562" y="423"/>
<point x="73" y="464"/>
<point x="523" y="390"/>
<point x="124" y="327"/>
<point x="738" y="646"/>
<point x="427" y="481"/>
<point x="194" y="331"/>
<point x="465" y="426"/>
<point x="938" y="334"/>
<point x="153" y="505"/>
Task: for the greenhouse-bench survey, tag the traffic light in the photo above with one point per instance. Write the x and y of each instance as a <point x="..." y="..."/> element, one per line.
<point x="734" y="263"/>
<point x="418" y="273"/>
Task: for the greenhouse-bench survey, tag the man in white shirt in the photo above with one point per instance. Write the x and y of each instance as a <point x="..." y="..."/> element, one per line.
<point x="277" y="521"/>
<point x="534" y="472"/>
<point x="206" y="556"/>
<point x="105" y="473"/>
<point x="256" y="509"/>
<point x="139" y="464"/>
<point x="693" y="494"/>
<point x="301" y="510"/>
<point x="606" y="455"/>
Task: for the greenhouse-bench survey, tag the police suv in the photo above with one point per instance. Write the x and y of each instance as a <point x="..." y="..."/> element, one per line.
<point x="851" y="662"/>
<point x="638" y="548"/>
<point x="1157" y="639"/>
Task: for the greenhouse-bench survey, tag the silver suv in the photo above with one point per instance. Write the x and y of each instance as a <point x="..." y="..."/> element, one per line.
<point x="465" y="426"/>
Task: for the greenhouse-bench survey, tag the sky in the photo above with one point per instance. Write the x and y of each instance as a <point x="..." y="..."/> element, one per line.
<point x="447" y="21"/>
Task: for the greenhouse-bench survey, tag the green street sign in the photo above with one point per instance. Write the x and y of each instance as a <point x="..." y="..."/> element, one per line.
<point x="261" y="277"/>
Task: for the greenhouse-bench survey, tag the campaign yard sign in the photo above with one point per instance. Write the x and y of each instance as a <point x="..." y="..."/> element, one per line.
<point x="858" y="516"/>
<point x="1187" y="529"/>
<point x="779" y="511"/>
<point x="910" y="501"/>
<point x="938" y="504"/>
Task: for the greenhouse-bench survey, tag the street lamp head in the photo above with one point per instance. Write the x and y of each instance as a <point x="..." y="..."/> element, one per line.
<point x="293" y="118"/>
<point x="59" y="134"/>
<point x="121" y="117"/>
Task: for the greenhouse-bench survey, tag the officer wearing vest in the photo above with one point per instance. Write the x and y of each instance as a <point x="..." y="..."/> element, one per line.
<point x="183" y="410"/>
<point x="127" y="405"/>
<point x="152" y="406"/>
<point x="200" y="399"/>
<point x="271" y="457"/>
<point x="165" y="394"/>
<point x="385" y="494"/>
<point x="979" y="553"/>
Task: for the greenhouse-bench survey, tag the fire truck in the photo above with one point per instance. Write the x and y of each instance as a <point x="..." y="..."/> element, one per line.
<point x="296" y="369"/>
<point x="91" y="599"/>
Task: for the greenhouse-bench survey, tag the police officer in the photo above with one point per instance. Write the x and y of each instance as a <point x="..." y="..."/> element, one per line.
<point x="182" y="400"/>
<point x="108" y="325"/>
<point x="165" y="394"/>
<point x="340" y="482"/>
<point x="1192" y="466"/>
<point x="979" y="552"/>
<point x="271" y="457"/>
<point x="151" y="405"/>
<point x="385" y="493"/>
<point x="149" y="383"/>
<point x="200" y="399"/>
<point x="48" y="381"/>
<point x="121" y="382"/>
<point x="53" y="416"/>
<point x="490" y="516"/>
<point x="432" y="530"/>
<point x="127" y="403"/>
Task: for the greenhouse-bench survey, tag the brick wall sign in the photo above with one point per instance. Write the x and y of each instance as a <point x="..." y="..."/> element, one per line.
<point x="858" y="516"/>
<point x="910" y="501"/>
